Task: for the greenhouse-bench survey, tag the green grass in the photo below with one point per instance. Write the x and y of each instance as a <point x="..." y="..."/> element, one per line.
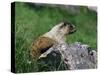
<point x="30" y="23"/>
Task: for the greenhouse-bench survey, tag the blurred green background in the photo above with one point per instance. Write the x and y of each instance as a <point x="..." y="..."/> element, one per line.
<point x="31" y="21"/>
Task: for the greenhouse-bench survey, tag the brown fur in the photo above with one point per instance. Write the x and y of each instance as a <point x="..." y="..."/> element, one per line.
<point x="41" y="45"/>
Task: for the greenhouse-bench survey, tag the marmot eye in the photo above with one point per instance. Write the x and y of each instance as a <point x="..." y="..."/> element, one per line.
<point x="71" y="27"/>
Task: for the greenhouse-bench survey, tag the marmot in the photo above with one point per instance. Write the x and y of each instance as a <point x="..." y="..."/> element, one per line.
<point x="56" y="35"/>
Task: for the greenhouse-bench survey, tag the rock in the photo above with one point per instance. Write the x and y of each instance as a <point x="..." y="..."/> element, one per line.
<point x="75" y="56"/>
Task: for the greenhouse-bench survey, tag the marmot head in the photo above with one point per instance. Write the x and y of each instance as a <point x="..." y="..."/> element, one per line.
<point x="64" y="28"/>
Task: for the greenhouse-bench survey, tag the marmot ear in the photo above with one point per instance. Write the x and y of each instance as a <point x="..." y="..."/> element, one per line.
<point x="64" y="24"/>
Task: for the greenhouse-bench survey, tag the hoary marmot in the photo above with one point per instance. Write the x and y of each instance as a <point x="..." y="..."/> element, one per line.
<point x="56" y="35"/>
